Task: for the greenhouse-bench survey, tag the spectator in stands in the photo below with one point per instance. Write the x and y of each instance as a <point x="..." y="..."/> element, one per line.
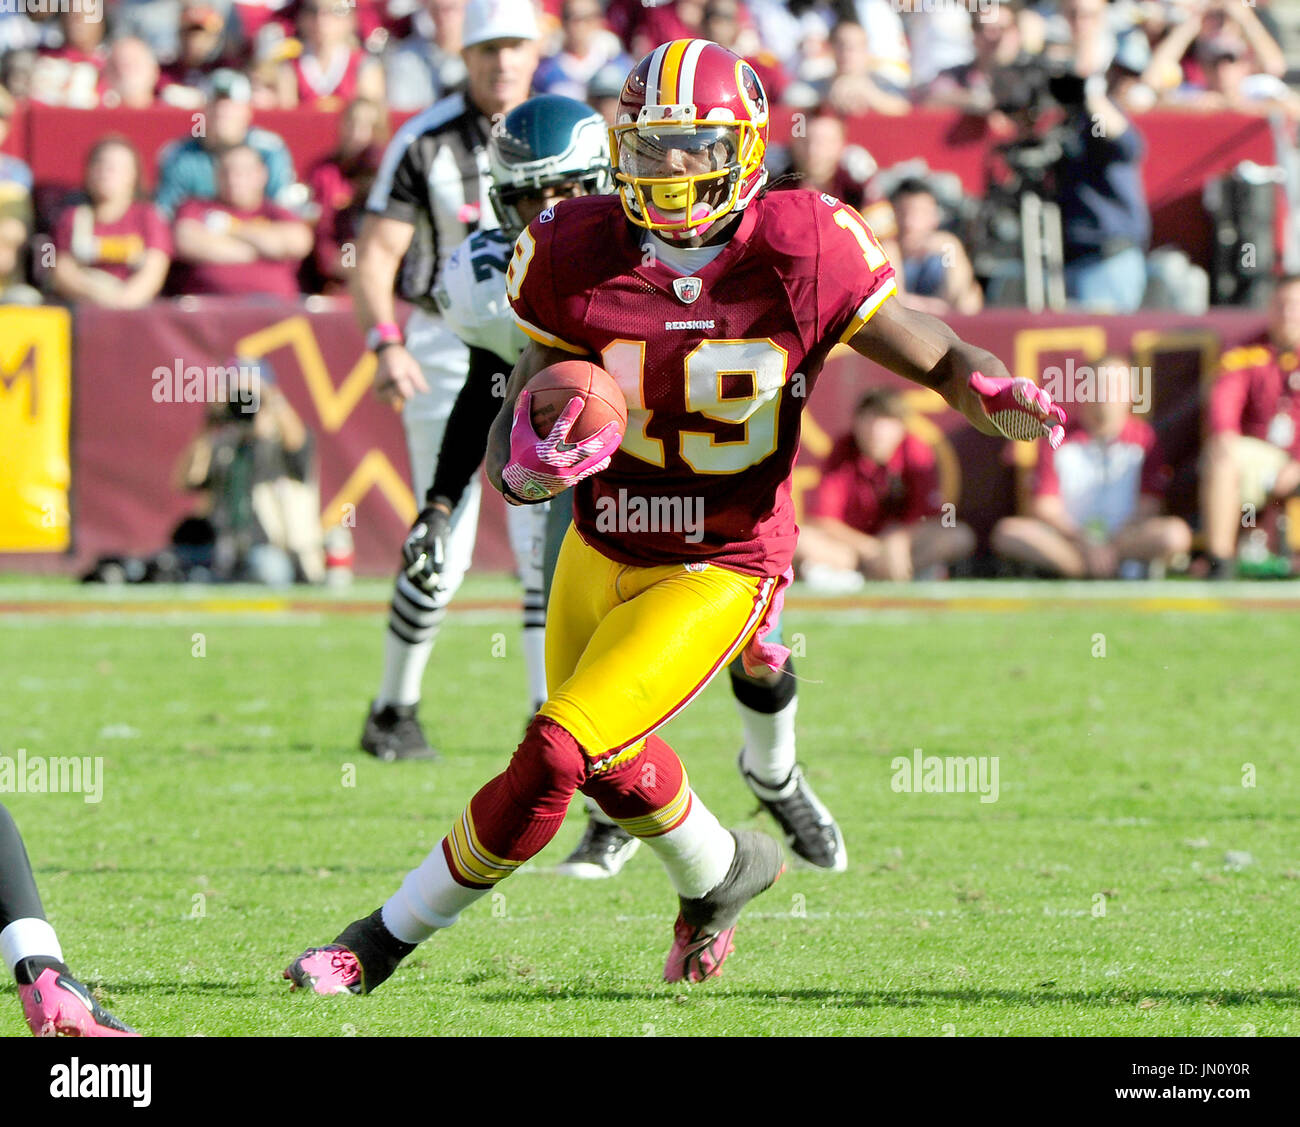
<point x="202" y="53"/>
<point x="252" y="16"/>
<point x="130" y="77"/>
<point x="260" y="513"/>
<point x="331" y="68"/>
<point x="187" y="169"/>
<point x="339" y="186"/>
<point x="1106" y="225"/>
<point x="1229" y="82"/>
<point x="16" y="68"/>
<point x="112" y="247"/>
<point x="15" y="216"/>
<point x="661" y="23"/>
<point x="875" y="513"/>
<point x="266" y="75"/>
<point x="154" y="21"/>
<point x="1095" y="512"/>
<point x="858" y="83"/>
<point x="941" y="40"/>
<point x="937" y="273"/>
<point x="1212" y="34"/>
<point x="1083" y="36"/>
<point x="821" y="156"/>
<point x="423" y="68"/>
<point x="68" y="75"/>
<point x="885" y="56"/>
<point x="586" y="46"/>
<point x="1252" y="458"/>
<point x="727" y="22"/>
<point x="781" y="30"/>
<point x="969" y="87"/>
<point x="18" y="31"/>
<point x="605" y="89"/>
<point x="240" y="242"/>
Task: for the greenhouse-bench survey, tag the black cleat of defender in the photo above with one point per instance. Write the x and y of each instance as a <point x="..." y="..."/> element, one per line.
<point x="393" y="733"/>
<point x="602" y="852"/>
<point x="809" y="828"/>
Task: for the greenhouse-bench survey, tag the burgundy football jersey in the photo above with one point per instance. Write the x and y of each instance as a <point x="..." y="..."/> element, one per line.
<point x="716" y="367"/>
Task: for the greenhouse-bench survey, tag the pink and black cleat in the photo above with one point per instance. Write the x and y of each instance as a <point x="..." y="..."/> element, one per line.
<point x="702" y="935"/>
<point x="697" y="954"/>
<point x="362" y="956"/>
<point x="57" y="1005"/>
<point x="326" y="970"/>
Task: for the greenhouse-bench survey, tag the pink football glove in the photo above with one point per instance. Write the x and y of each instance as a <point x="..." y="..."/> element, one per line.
<point x="1019" y="408"/>
<point x="539" y="468"/>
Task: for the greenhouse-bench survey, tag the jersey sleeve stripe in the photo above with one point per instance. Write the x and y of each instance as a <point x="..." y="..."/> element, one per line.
<point x="541" y="336"/>
<point x="867" y="310"/>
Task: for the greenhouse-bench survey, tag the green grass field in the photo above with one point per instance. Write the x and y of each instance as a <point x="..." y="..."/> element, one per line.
<point x="1095" y="896"/>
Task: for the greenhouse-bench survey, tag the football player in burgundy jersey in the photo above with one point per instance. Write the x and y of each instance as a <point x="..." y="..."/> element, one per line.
<point x="714" y="307"/>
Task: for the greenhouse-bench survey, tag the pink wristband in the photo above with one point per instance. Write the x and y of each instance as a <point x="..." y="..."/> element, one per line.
<point x="386" y="332"/>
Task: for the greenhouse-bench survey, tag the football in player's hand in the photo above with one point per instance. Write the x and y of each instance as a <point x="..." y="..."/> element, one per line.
<point x="551" y="389"/>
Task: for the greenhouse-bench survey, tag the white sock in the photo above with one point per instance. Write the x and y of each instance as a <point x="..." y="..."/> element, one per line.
<point x="769" y="753"/>
<point x="535" y="661"/>
<point x="697" y="854"/>
<point x="429" y="899"/>
<point x="404" y="666"/>
<point x="27" y="939"/>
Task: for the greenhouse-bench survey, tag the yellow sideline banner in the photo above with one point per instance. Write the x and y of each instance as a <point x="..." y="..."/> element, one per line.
<point x="35" y="393"/>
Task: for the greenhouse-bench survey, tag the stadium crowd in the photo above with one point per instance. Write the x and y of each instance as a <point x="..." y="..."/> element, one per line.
<point x="831" y="61"/>
<point x="230" y="214"/>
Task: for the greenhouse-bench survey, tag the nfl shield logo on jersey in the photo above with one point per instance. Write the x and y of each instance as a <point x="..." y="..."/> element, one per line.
<point x="687" y="289"/>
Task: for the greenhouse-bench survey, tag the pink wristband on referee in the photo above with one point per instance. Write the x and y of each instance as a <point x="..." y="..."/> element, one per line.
<point x="386" y="332"/>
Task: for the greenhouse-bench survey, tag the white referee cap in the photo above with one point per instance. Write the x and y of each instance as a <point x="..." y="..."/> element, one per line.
<point x="499" y="19"/>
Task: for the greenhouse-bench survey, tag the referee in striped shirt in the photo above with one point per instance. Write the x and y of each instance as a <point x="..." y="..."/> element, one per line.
<point x="430" y="194"/>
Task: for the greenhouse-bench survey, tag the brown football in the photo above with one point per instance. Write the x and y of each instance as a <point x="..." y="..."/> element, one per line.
<point x="552" y="388"/>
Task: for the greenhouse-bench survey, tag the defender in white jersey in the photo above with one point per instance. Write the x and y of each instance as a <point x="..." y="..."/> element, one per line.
<point x="472" y="298"/>
<point x="548" y="149"/>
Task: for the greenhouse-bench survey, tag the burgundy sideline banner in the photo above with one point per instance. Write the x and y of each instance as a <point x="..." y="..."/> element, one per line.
<point x="125" y="443"/>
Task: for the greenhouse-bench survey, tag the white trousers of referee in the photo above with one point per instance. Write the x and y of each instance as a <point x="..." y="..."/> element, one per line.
<point x="444" y="362"/>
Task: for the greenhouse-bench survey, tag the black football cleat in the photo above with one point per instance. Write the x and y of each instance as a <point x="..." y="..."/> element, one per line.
<point x="393" y="733"/>
<point x="603" y="851"/>
<point x="809" y="828"/>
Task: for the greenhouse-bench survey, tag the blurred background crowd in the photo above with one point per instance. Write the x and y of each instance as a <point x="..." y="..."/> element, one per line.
<point x="1060" y="89"/>
<point x="1058" y="82"/>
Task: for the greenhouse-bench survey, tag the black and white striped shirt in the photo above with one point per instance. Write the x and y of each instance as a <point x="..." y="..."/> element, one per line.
<point x="435" y="175"/>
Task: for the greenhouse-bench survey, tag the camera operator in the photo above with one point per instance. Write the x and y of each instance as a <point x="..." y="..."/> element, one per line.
<point x="253" y="460"/>
<point x="1106" y="225"/>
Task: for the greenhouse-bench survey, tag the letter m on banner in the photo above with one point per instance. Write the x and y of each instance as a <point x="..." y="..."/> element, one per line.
<point x="35" y="382"/>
